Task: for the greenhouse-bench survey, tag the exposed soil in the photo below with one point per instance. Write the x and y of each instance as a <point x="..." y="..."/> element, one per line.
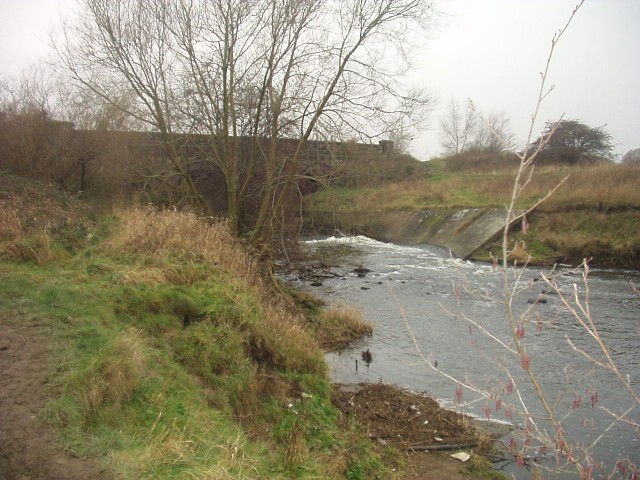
<point x="417" y="427"/>
<point x="28" y="449"/>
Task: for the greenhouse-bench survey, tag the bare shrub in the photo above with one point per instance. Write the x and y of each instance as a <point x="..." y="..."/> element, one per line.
<point x="516" y="383"/>
<point x="481" y="162"/>
<point x="38" y="206"/>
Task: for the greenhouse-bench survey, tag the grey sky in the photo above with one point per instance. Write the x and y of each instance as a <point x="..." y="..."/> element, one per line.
<point x="493" y="51"/>
<point x="488" y="50"/>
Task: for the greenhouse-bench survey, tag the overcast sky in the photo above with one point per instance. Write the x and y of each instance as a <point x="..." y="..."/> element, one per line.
<point x="491" y="51"/>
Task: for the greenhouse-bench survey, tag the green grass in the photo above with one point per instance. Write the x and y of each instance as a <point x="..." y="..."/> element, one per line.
<point x="172" y="360"/>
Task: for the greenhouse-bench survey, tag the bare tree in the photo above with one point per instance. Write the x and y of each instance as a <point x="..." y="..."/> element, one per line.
<point x="462" y="131"/>
<point x="248" y="74"/>
<point x="632" y="157"/>
<point x="492" y="134"/>
<point x="457" y="128"/>
<point x="32" y="143"/>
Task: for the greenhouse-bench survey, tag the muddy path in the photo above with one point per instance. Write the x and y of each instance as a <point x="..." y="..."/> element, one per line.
<point x="28" y="447"/>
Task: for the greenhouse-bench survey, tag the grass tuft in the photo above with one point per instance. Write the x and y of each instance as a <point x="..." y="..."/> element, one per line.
<point x="114" y="375"/>
<point x="38" y="248"/>
<point x="10" y="224"/>
<point x="338" y="326"/>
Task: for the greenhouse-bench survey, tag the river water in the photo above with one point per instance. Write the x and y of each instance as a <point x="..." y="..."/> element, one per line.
<point x="428" y="307"/>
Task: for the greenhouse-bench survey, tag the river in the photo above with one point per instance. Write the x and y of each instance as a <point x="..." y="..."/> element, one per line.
<point x="417" y="298"/>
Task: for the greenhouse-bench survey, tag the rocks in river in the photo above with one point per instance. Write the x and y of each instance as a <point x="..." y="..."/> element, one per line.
<point x="316" y="272"/>
<point x="539" y="299"/>
<point x="551" y="292"/>
<point x="367" y="356"/>
<point x="316" y="284"/>
<point x="361" y="271"/>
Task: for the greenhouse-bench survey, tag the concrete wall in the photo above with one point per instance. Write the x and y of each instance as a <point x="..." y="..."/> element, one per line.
<point x="462" y="231"/>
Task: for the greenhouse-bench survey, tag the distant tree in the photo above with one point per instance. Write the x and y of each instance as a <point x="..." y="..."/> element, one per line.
<point x="456" y="128"/>
<point x="492" y="134"/>
<point x="631" y="157"/>
<point x="572" y="142"/>
<point x="463" y="130"/>
<point x="32" y="142"/>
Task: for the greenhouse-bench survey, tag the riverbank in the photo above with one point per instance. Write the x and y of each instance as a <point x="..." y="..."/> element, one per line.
<point x="159" y="349"/>
<point x="144" y="343"/>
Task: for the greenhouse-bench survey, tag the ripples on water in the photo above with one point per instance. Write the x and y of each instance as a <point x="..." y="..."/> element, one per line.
<point x="414" y="289"/>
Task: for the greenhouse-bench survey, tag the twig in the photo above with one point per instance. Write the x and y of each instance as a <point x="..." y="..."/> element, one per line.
<point x="434" y="448"/>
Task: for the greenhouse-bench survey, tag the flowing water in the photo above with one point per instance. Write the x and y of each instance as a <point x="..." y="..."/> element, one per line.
<point x="428" y="307"/>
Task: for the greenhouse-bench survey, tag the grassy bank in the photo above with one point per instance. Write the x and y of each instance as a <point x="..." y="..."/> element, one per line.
<point x="595" y="213"/>
<point x="173" y="359"/>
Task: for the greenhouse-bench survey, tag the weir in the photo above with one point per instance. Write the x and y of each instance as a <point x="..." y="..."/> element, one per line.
<point x="463" y="231"/>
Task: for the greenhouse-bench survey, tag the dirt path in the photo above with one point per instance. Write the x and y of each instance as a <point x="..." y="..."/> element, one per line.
<point x="27" y="447"/>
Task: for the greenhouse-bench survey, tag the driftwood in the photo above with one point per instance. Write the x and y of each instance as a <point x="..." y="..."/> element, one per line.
<point x="429" y="448"/>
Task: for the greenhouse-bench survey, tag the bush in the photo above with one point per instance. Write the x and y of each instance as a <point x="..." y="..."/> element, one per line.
<point x="481" y="162"/>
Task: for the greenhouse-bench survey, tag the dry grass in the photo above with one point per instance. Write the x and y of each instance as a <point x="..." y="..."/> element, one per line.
<point x="279" y="340"/>
<point x="332" y="327"/>
<point x="184" y="274"/>
<point x="283" y="341"/>
<point x="183" y="236"/>
<point x="28" y="207"/>
<point x="10" y="224"/>
<point x="37" y="248"/>
<point x="338" y="326"/>
<point x="600" y="186"/>
<point x="176" y="448"/>
<point x="34" y="216"/>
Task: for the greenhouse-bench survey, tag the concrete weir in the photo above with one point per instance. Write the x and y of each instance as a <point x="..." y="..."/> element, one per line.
<point x="463" y="231"/>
